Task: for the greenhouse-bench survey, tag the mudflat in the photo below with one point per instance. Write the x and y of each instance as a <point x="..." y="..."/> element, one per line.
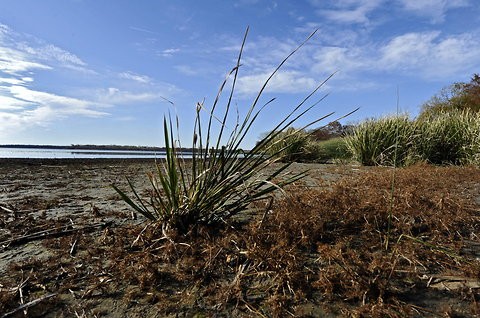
<point x="348" y="241"/>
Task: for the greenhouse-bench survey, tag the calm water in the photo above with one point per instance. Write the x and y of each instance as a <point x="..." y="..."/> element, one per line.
<point x="74" y="153"/>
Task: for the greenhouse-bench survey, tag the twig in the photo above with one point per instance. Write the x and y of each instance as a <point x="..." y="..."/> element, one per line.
<point x="73" y="249"/>
<point x="56" y="232"/>
<point x="6" y="209"/>
<point x="28" y="305"/>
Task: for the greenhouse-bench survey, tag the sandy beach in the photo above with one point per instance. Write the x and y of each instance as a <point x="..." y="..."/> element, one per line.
<point x="60" y="218"/>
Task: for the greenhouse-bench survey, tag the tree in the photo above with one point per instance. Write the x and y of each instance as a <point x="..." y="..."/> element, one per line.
<point x="332" y="130"/>
<point x="458" y="96"/>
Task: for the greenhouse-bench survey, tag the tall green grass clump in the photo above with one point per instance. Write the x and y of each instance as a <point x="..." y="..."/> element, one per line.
<point x="291" y="145"/>
<point x="220" y="180"/>
<point x="384" y="141"/>
<point x="448" y="137"/>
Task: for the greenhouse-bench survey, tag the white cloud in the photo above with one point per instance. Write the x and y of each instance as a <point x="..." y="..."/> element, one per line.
<point x="435" y="9"/>
<point x="169" y="52"/>
<point x="282" y="82"/>
<point x="63" y="105"/>
<point x="144" y="79"/>
<point x="13" y="81"/>
<point x="346" y="59"/>
<point x="408" y="50"/>
<point x="52" y="52"/>
<point x="349" y="11"/>
<point x="10" y="103"/>
<point x="21" y="53"/>
<point x="428" y="54"/>
<point x="116" y="96"/>
<point x="23" y="106"/>
<point x="14" y="62"/>
<point x="17" y="56"/>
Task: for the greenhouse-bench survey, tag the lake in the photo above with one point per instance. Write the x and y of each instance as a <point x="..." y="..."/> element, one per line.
<point x="50" y="153"/>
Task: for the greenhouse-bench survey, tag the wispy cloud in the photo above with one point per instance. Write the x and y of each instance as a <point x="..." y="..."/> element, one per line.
<point x="17" y="55"/>
<point x="144" y="79"/>
<point x="434" y="9"/>
<point x="14" y="62"/>
<point x="169" y="52"/>
<point x="143" y="30"/>
<point x="282" y="82"/>
<point x="429" y="54"/>
<point x="116" y="96"/>
<point x="23" y="105"/>
<point x="26" y="108"/>
<point x="349" y="11"/>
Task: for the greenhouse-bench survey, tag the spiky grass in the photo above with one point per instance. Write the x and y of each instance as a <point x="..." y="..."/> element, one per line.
<point x="290" y="145"/>
<point x="220" y="180"/>
<point x="385" y="141"/>
<point x="449" y="138"/>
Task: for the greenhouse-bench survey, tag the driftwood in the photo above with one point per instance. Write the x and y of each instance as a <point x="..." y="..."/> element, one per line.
<point x="28" y="305"/>
<point x="55" y="232"/>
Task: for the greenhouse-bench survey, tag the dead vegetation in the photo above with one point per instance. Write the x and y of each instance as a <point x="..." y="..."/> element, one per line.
<point x="321" y="253"/>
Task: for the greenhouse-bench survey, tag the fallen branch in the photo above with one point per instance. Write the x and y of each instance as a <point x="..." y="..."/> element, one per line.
<point x="55" y="232"/>
<point x="28" y="305"/>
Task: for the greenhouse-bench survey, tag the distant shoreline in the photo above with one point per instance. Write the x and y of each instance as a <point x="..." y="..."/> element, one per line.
<point x="100" y="148"/>
<point x="12" y="162"/>
<point x="90" y="147"/>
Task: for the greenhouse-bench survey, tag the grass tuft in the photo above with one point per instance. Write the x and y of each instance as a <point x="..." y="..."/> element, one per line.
<point x="446" y="138"/>
<point x="221" y="179"/>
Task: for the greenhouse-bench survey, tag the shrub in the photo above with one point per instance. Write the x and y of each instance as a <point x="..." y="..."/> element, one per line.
<point x="456" y="97"/>
<point x="221" y="180"/>
<point x="384" y="141"/>
<point x="331" y="149"/>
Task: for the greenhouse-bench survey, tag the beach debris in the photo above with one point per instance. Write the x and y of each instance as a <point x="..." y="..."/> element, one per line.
<point x="28" y="305"/>
<point x="55" y="232"/>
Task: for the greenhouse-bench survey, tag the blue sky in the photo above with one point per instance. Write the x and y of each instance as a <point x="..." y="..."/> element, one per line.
<point x="98" y="72"/>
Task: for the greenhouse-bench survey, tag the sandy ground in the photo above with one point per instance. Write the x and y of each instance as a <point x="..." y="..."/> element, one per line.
<point x="41" y="199"/>
<point x="68" y="194"/>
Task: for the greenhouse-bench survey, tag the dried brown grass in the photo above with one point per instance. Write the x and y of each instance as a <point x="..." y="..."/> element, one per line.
<point x="321" y="252"/>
